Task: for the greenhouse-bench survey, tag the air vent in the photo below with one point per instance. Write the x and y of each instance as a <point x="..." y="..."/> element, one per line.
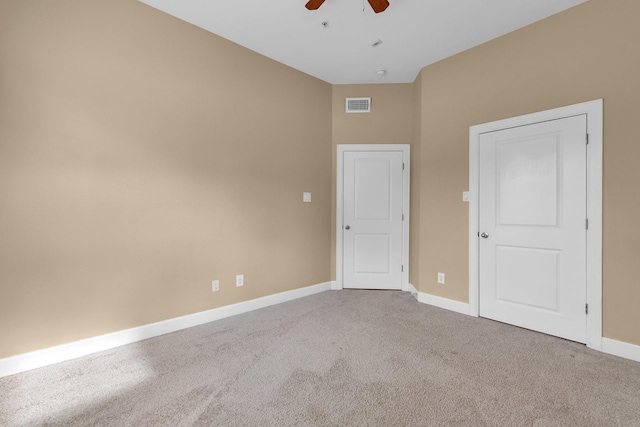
<point x="358" y="105"/>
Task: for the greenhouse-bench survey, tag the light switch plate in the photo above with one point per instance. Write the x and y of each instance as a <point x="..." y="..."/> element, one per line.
<point x="306" y="197"/>
<point x="465" y="196"/>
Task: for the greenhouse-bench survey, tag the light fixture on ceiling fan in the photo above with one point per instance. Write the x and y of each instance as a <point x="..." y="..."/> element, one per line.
<point x="377" y="5"/>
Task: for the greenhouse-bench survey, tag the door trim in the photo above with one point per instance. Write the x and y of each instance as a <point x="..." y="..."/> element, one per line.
<point x="342" y="148"/>
<point x="594" y="112"/>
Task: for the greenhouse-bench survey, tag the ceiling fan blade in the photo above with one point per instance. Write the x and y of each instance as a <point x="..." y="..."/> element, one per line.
<point x="313" y="4"/>
<point x="378" y="5"/>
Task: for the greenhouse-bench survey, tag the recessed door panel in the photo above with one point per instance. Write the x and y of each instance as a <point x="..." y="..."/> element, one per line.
<point x="372" y="253"/>
<point x="372" y="189"/>
<point x="528" y="181"/>
<point x="534" y="283"/>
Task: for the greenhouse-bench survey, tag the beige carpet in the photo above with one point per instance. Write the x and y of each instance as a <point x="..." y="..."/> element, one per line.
<point x="338" y="358"/>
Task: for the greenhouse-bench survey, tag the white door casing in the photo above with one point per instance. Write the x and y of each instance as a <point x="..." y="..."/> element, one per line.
<point x="532" y="211"/>
<point x="593" y="268"/>
<point x="372" y="218"/>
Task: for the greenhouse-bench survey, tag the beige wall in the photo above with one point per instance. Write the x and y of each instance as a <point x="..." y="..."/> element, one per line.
<point x="588" y="52"/>
<point x="141" y="158"/>
<point x="389" y="122"/>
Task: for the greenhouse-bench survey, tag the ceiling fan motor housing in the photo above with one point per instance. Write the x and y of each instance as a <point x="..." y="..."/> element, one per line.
<point x="377" y="5"/>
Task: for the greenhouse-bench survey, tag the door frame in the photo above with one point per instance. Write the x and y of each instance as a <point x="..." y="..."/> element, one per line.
<point x="406" y="152"/>
<point x="594" y="113"/>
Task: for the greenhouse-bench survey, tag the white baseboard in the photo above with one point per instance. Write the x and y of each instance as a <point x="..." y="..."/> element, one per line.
<point x="413" y="290"/>
<point x="621" y="349"/>
<point x="446" y="303"/>
<point x="48" y="356"/>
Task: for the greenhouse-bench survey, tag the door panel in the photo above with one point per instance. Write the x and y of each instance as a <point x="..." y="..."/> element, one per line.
<point x="372" y="189"/>
<point x="532" y="209"/>
<point x="534" y="283"/>
<point x="528" y="182"/>
<point x="372" y="234"/>
<point x="371" y="253"/>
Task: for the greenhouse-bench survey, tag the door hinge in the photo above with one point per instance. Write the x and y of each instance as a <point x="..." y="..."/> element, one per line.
<point x="586" y="223"/>
<point x="402" y="268"/>
<point x="403" y="217"/>
<point x="587" y="139"/>
<point x="402" y="165"/>
<point x="586" y="309"/>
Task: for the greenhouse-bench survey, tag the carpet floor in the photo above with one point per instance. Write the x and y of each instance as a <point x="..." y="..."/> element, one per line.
<point x="339" y="358"/>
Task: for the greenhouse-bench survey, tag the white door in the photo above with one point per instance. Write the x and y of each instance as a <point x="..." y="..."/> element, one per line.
<point x="532" y="226"/>
<point x="372" y="219"/>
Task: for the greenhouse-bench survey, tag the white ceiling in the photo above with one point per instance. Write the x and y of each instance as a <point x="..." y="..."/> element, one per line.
<point x="414" y="33"/>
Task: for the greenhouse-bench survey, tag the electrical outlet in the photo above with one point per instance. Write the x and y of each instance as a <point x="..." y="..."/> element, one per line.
<point x="215" y="286"/>
<point x="240" y="280"/>
<point x="441" y="278"/>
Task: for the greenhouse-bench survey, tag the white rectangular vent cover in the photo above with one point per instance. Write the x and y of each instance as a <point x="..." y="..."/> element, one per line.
<point x="358" y="105"/>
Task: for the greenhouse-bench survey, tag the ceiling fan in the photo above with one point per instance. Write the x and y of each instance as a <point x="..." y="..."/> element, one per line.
<point x="377" y="5"/>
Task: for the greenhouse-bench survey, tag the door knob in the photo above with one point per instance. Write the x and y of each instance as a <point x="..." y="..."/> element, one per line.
<point x="484" y="235"/>
<point x="346" y="227"/>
